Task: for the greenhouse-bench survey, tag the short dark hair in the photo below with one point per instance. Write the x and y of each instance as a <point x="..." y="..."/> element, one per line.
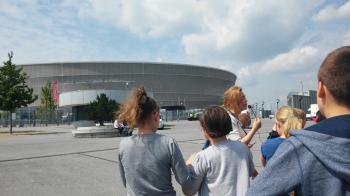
<point x="334" y="72"/>
<point x="216" y="121"/>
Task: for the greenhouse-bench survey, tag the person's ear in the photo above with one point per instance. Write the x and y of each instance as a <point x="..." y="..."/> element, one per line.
<point x="277" y="126"/>
<point x="205" y="134"/>
<point x="321" y="93"/>
<point x="155" y="116"/>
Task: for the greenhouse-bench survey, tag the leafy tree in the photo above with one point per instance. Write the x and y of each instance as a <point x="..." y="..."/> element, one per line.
<point x="14" y="92"/>
<point x="102" y="109"/>
<point x="46" y="109"/>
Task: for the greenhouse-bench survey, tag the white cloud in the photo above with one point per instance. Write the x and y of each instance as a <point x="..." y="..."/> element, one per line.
<point x="249" y="31"/>
<point x="294" y="60"/>
<point x="332" y="13"/>
<point x="148" y="18"/>
<point x="243" y="31"/>
<point x="245" y="77"/>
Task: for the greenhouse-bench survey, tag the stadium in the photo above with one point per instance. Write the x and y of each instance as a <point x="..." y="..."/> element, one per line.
<point x="175" y="86"/>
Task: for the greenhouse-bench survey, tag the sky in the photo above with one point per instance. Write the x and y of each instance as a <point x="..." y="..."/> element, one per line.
<point x="274" y="47"/>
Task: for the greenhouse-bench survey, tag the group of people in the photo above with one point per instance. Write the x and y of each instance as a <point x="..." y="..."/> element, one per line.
<point x="313" y="161"/>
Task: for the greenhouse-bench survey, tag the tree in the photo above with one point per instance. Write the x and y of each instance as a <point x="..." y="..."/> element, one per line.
<point x="102" y="109"/>
<point x="47" y="105"/>
<point x="14" y="92"/>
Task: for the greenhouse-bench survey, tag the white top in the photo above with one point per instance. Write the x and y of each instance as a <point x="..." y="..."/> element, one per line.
<point x="237" y="132"/>
<point x="221" y="169"/>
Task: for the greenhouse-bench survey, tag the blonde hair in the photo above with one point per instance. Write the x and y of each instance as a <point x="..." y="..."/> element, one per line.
<point x="289" y="119"/>
<point x="232" y="98"/>
<point x="137" y="109"/>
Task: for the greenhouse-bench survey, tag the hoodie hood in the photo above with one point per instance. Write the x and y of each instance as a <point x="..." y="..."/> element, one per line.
<point x="329" y="142"/>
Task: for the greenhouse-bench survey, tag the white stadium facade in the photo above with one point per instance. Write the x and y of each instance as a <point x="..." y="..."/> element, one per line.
<point x="174" y="86"/>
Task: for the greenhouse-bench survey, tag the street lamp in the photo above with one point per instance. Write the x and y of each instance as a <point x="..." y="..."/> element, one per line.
<point x="302" y="88"/>
<point x="277" y="101"/>
<point x="262" y="109"/>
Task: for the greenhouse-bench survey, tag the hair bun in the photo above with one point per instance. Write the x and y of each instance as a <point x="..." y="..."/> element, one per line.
<point x="141" y="95"/>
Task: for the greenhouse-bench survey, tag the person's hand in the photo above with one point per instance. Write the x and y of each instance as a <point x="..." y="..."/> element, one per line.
<point x="257" y="124"/>
<point x="251" y="145"/>
<point x="190" y="159"/>
<point x="255" y="173"/>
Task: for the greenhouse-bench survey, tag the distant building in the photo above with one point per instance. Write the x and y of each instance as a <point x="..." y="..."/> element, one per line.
<point x="175" y="86"/>
<point x="265" y="113"/>
<point x="301" y="100"/>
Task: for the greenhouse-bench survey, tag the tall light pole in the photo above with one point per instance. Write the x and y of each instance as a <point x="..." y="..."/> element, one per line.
<point x="277" y="101"/>
<point x="262" y="109"/>
<point x="302" y="88"/>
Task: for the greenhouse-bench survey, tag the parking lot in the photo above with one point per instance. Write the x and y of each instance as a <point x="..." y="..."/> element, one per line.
<point x="50" y="161"/>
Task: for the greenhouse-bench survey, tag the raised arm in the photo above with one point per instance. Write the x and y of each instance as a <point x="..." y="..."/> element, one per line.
<point x="256" y="126"/>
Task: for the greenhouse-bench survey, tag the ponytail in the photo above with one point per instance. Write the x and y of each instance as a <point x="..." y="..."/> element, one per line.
<point x="289" y="119"/>
<point x="137" y="108"/>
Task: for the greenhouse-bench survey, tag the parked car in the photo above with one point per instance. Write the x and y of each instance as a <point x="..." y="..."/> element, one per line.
<point x="311" y="112"/>
<point x="193" y="116"/>
<point x="161" y="123"/>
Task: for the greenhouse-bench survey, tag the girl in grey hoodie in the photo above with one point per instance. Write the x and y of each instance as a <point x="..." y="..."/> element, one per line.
<point x="146" y="159"/>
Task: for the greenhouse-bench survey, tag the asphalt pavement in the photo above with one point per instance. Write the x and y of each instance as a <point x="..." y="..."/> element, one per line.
<point x="50" y="161"/>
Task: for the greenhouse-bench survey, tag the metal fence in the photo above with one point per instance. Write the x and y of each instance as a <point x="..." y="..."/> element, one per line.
<point x="29" y="117"/>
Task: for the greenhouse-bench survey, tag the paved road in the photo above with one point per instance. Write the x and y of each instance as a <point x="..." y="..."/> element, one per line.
<point x="55" y="163"/>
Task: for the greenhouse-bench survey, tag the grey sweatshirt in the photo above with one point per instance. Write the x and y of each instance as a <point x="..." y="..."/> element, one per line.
<point x="315" y="161"/>
<point x="146" y="162"/>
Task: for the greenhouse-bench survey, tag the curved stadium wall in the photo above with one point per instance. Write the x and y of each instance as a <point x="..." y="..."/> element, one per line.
<point x="170" y="84"/>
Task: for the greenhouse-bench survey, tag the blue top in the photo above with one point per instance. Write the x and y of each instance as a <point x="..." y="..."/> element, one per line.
<point x="269" y="147"/>
<point x="315" y="161"/>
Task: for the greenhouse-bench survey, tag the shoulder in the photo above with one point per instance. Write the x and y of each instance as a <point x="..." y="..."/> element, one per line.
<point x="237" y="145"/>
<point x="165" y="138"/>
<point x="240" y="148"/>
<point x="233" y="118"/>
<point x="287" y="146"/>
<point x="126" y="140"/>
<point x="126" y="143"/>
<point x="272" y="142"/>
<point x="202" y="157"/>
<point x="232" y="146"/>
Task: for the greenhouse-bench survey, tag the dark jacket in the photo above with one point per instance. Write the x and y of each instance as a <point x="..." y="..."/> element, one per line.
<point x="315" y="161"/>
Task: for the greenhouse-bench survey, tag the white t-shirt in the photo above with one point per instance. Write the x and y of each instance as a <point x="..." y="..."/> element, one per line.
<point x="237" y="131"/>
<point x="221" y="169"/>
